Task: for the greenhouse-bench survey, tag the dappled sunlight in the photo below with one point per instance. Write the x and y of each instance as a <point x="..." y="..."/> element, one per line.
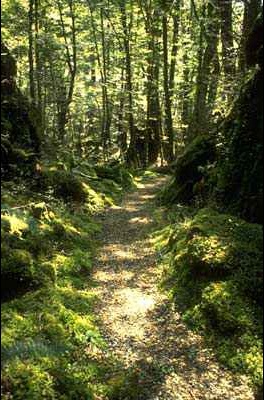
<point x="116" y="252"/>
<point x="125" y="314"/>
<point x="141" y="328"/>
<point x="147" y="197"/>
<point x="105" y="277"/>
<point x="140" y="220"/>
<point x="134" y="302"/>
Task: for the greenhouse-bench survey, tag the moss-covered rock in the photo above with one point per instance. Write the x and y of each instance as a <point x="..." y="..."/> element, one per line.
<point x="189" y="172"/>
<point x="18" y="264"/>
<point x="46" y="272"/>
<point x="217" y="246"/>
<point x="117" y="173"/>
<point x="218" y="258"/>
<point x="65" y="185"/>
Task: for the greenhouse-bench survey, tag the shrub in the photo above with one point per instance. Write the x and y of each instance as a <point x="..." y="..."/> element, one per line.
<point x="116" y="173"/>
<point x="67" y="186"/>
<point x="28" y="382"/>
<point x="46" y="273"/>
<point x="17" y="264"/>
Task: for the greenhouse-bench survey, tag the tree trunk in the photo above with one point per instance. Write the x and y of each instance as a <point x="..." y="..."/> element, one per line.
<point x="122" y="135"/>
<point x="132" y="156"/>
<point x="71" y="58"/>
<point x="251" y="12"/>
<point x="106" y="108"/>
<point x="174" y="50"/>
<point x="153" y="102"/>
<point x="200" y="119"/>
<point x="212" y="90"/>
<point x="167" y="91"/>
<point x="37" y="58"/>
<point x="226" y="10"/>
<point x="31" y="51"/>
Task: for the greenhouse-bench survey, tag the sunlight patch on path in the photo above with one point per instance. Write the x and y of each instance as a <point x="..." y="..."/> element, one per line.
<point x="142" y="329"/>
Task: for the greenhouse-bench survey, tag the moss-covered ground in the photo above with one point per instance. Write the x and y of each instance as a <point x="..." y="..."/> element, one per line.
<point x="86" y="322"/>
<point x="212" y="269"/>
<point x="49" y="333"/>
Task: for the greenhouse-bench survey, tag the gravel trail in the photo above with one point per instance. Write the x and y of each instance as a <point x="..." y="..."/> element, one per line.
<point x="142" y="328"/>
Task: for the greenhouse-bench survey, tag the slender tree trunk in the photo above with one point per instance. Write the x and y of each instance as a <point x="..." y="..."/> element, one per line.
<point x="132" y="151"/>
<point x="201" y="117"/>
<point x="122" y="135"/>
<point x="71" y="57"/>
<point x="31" y="51"/>
<point x="169" y="75"/>
<point x="226" y="11"/>
<point x="153" y="101"/>
<point x="174" y="50"/>
<point x="106" y="108"/>
<point x="37" y="59"/>
<point x="186" y="86"/>
<point x="167" y="91"/>
<point x="185" y="115"/>
<point x="100" y="69"/>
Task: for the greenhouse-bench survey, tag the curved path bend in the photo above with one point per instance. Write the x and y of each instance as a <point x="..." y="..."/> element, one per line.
<point x="143" y="330"/>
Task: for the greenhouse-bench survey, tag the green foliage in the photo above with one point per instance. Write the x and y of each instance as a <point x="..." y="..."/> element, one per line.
<point x="117" y="173"/>
<point x="190" y="171"/>
<point x="65" y="185"/>
<point x="218" y="258"/>
<point x="30" y="381"/>
<point x="48" y="332"/>
<point x="19" y="264"/>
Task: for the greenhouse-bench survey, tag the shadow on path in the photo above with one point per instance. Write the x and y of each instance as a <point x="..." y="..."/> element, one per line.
<point x="160" y="359"/>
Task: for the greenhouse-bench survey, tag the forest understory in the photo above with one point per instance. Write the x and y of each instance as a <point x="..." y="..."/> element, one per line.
<point x="102" y="326"/>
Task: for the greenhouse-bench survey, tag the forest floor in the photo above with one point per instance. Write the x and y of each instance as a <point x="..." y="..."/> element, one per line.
<point x="159" y="358"/>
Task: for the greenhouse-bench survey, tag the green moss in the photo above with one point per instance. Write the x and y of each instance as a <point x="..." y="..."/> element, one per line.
<point x="189" y="171"/>
<point x="47" y="272"/>
<point x="18" y="264"/>
<point x="26" y="381"/>
<point x="116" y="173"/>
<point x="51" y="325"/>
<point x="51" y="329"/>
<point x="213" y="246"/>
<point x="65" y="185"/>
<point x="218" y="259"/>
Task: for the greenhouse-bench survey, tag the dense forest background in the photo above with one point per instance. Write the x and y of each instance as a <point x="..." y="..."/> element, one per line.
<point x="95" y="93"/>
<point x="144" y="76"/>
<point x="136" y="81"/>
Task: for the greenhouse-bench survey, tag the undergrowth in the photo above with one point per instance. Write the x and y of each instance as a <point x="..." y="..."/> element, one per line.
<point x="50" y="341"/>
<point x="213" y="271"/>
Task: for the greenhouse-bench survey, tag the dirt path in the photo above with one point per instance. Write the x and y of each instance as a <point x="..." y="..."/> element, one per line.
<point x="165" y="360"/>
